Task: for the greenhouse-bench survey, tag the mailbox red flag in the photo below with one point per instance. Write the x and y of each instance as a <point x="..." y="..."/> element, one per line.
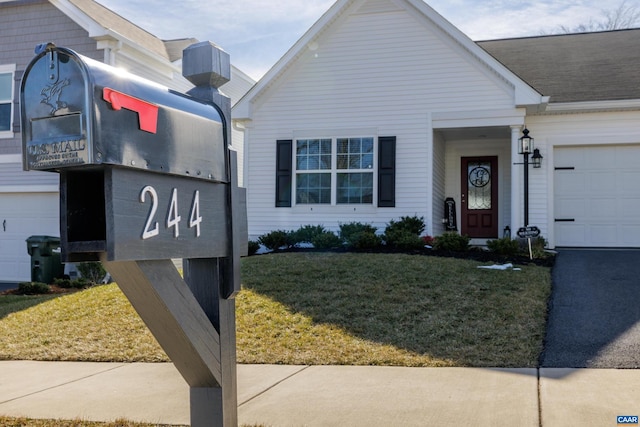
<point x="147" y="112"/>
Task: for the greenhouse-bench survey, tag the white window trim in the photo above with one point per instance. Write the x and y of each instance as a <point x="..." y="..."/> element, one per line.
<point x="10" y="68"/>
<point x="334" y="174"/>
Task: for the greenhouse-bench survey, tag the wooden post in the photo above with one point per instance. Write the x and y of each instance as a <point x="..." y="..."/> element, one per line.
<point x="215" y="405"/>
<point x="174" y="316"/>
<point x="215" y="281"/>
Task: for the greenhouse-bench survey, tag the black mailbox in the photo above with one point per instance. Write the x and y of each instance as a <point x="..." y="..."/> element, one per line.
<point x="143" y="169"/>
<point x="79" y="112"/>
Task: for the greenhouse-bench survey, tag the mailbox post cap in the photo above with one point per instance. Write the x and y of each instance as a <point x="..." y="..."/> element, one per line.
<point x="205" y="64"/>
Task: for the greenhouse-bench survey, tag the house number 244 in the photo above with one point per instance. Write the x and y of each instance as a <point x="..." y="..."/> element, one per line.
<point x="173" y="219"/>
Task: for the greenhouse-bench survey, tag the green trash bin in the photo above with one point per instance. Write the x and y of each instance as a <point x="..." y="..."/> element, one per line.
<point x="45" y="258"/>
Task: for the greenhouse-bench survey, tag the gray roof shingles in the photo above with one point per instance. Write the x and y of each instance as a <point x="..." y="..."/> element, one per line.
<point x="575" y="67"/>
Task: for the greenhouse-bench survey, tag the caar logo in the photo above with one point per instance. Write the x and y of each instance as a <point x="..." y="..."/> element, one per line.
<point x="627" y="420"/>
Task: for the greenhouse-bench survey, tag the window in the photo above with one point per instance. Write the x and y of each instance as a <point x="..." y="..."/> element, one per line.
<point x="338" y="169"/>
<point x="6" y="100"/>
<point x="355" y="170"/>
<point x="335" y="171"/>
<point x="313" y="166"/>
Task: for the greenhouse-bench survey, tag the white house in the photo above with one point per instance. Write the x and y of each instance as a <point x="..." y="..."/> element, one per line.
<point x="29" y="200"/>
<point x="384" y="109"/>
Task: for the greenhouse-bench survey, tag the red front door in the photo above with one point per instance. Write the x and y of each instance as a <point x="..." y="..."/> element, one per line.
<point x="479" y="210"/>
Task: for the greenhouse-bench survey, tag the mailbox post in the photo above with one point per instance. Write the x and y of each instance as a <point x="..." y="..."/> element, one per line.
<point x="146" y="175"/>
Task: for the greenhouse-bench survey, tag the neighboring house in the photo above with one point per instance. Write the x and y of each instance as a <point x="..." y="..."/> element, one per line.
<point x="384" y="109"/>
<point x="29" y="200"/>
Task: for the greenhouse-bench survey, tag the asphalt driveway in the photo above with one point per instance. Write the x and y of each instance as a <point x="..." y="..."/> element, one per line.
<point x="594" y="312"/>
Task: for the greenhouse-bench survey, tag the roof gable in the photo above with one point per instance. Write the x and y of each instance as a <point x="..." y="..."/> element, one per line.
<point x="338" y="15"/>
<point x="575" y="67"/>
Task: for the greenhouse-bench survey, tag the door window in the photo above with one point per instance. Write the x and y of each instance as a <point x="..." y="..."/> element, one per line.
<point x="479" y="185"/>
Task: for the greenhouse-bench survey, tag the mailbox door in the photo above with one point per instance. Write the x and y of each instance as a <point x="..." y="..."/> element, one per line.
<point x="55" y="110"/>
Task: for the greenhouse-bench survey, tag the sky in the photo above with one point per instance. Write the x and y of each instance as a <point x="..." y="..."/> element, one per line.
<point x="257" y="33"/>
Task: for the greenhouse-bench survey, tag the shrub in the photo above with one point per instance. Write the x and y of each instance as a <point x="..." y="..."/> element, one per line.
<point x="365" y="240"/>
<point x="412" y="224"/>
<point x="306" y="234"/>
<point x="537" y="247"/>
<point x="275" y="239"/>
<point x="79" y="283"/>
<point x="33" y="288"/>
<point x="405" y="234"/>
<point x="63" y="283"/>
<point x="82" y="283"/>
<point x="504" y="246"/>
<point x="539" y="242"/>
<point x="451" y="241"/>
<point x="326" y="240"/>
<point x="92" y="271"/>
<point x="253" y="247"/>
<point x="357" y="235"/>
<point x="403" y="240"/>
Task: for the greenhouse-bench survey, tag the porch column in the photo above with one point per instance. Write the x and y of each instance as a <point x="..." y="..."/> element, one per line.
<point x="515" y="180"/>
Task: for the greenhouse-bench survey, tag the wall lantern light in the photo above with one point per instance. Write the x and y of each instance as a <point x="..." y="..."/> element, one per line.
<point x="536" y="159"/>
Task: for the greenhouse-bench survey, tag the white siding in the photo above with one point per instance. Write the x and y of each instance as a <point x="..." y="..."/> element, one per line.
<point x="380" y="71"/>
<point x="13" y="178"/>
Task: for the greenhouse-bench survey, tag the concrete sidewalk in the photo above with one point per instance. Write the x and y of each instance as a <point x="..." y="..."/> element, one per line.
<point x="327" y="395"/>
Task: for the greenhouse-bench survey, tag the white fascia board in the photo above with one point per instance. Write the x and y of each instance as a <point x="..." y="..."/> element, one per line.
<point x="479" y="118"/>
<point x="592" y="106"/>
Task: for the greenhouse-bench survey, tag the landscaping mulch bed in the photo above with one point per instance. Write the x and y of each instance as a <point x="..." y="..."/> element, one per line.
<point x="474" y="253"/>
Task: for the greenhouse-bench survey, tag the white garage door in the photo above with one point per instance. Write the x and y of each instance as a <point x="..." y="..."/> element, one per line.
<point x="23" y="215"/>
<point x="597" y="196"/>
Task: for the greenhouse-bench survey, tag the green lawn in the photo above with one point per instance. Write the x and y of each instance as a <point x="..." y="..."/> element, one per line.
<point x="316" y="308"/>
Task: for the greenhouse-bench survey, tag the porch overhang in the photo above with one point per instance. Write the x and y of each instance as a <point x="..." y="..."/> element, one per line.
<point x="482" y="118"/>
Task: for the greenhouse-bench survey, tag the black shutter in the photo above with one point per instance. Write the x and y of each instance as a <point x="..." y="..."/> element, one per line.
<point x="387" y="171"/>
<point x="283" y="173"/>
